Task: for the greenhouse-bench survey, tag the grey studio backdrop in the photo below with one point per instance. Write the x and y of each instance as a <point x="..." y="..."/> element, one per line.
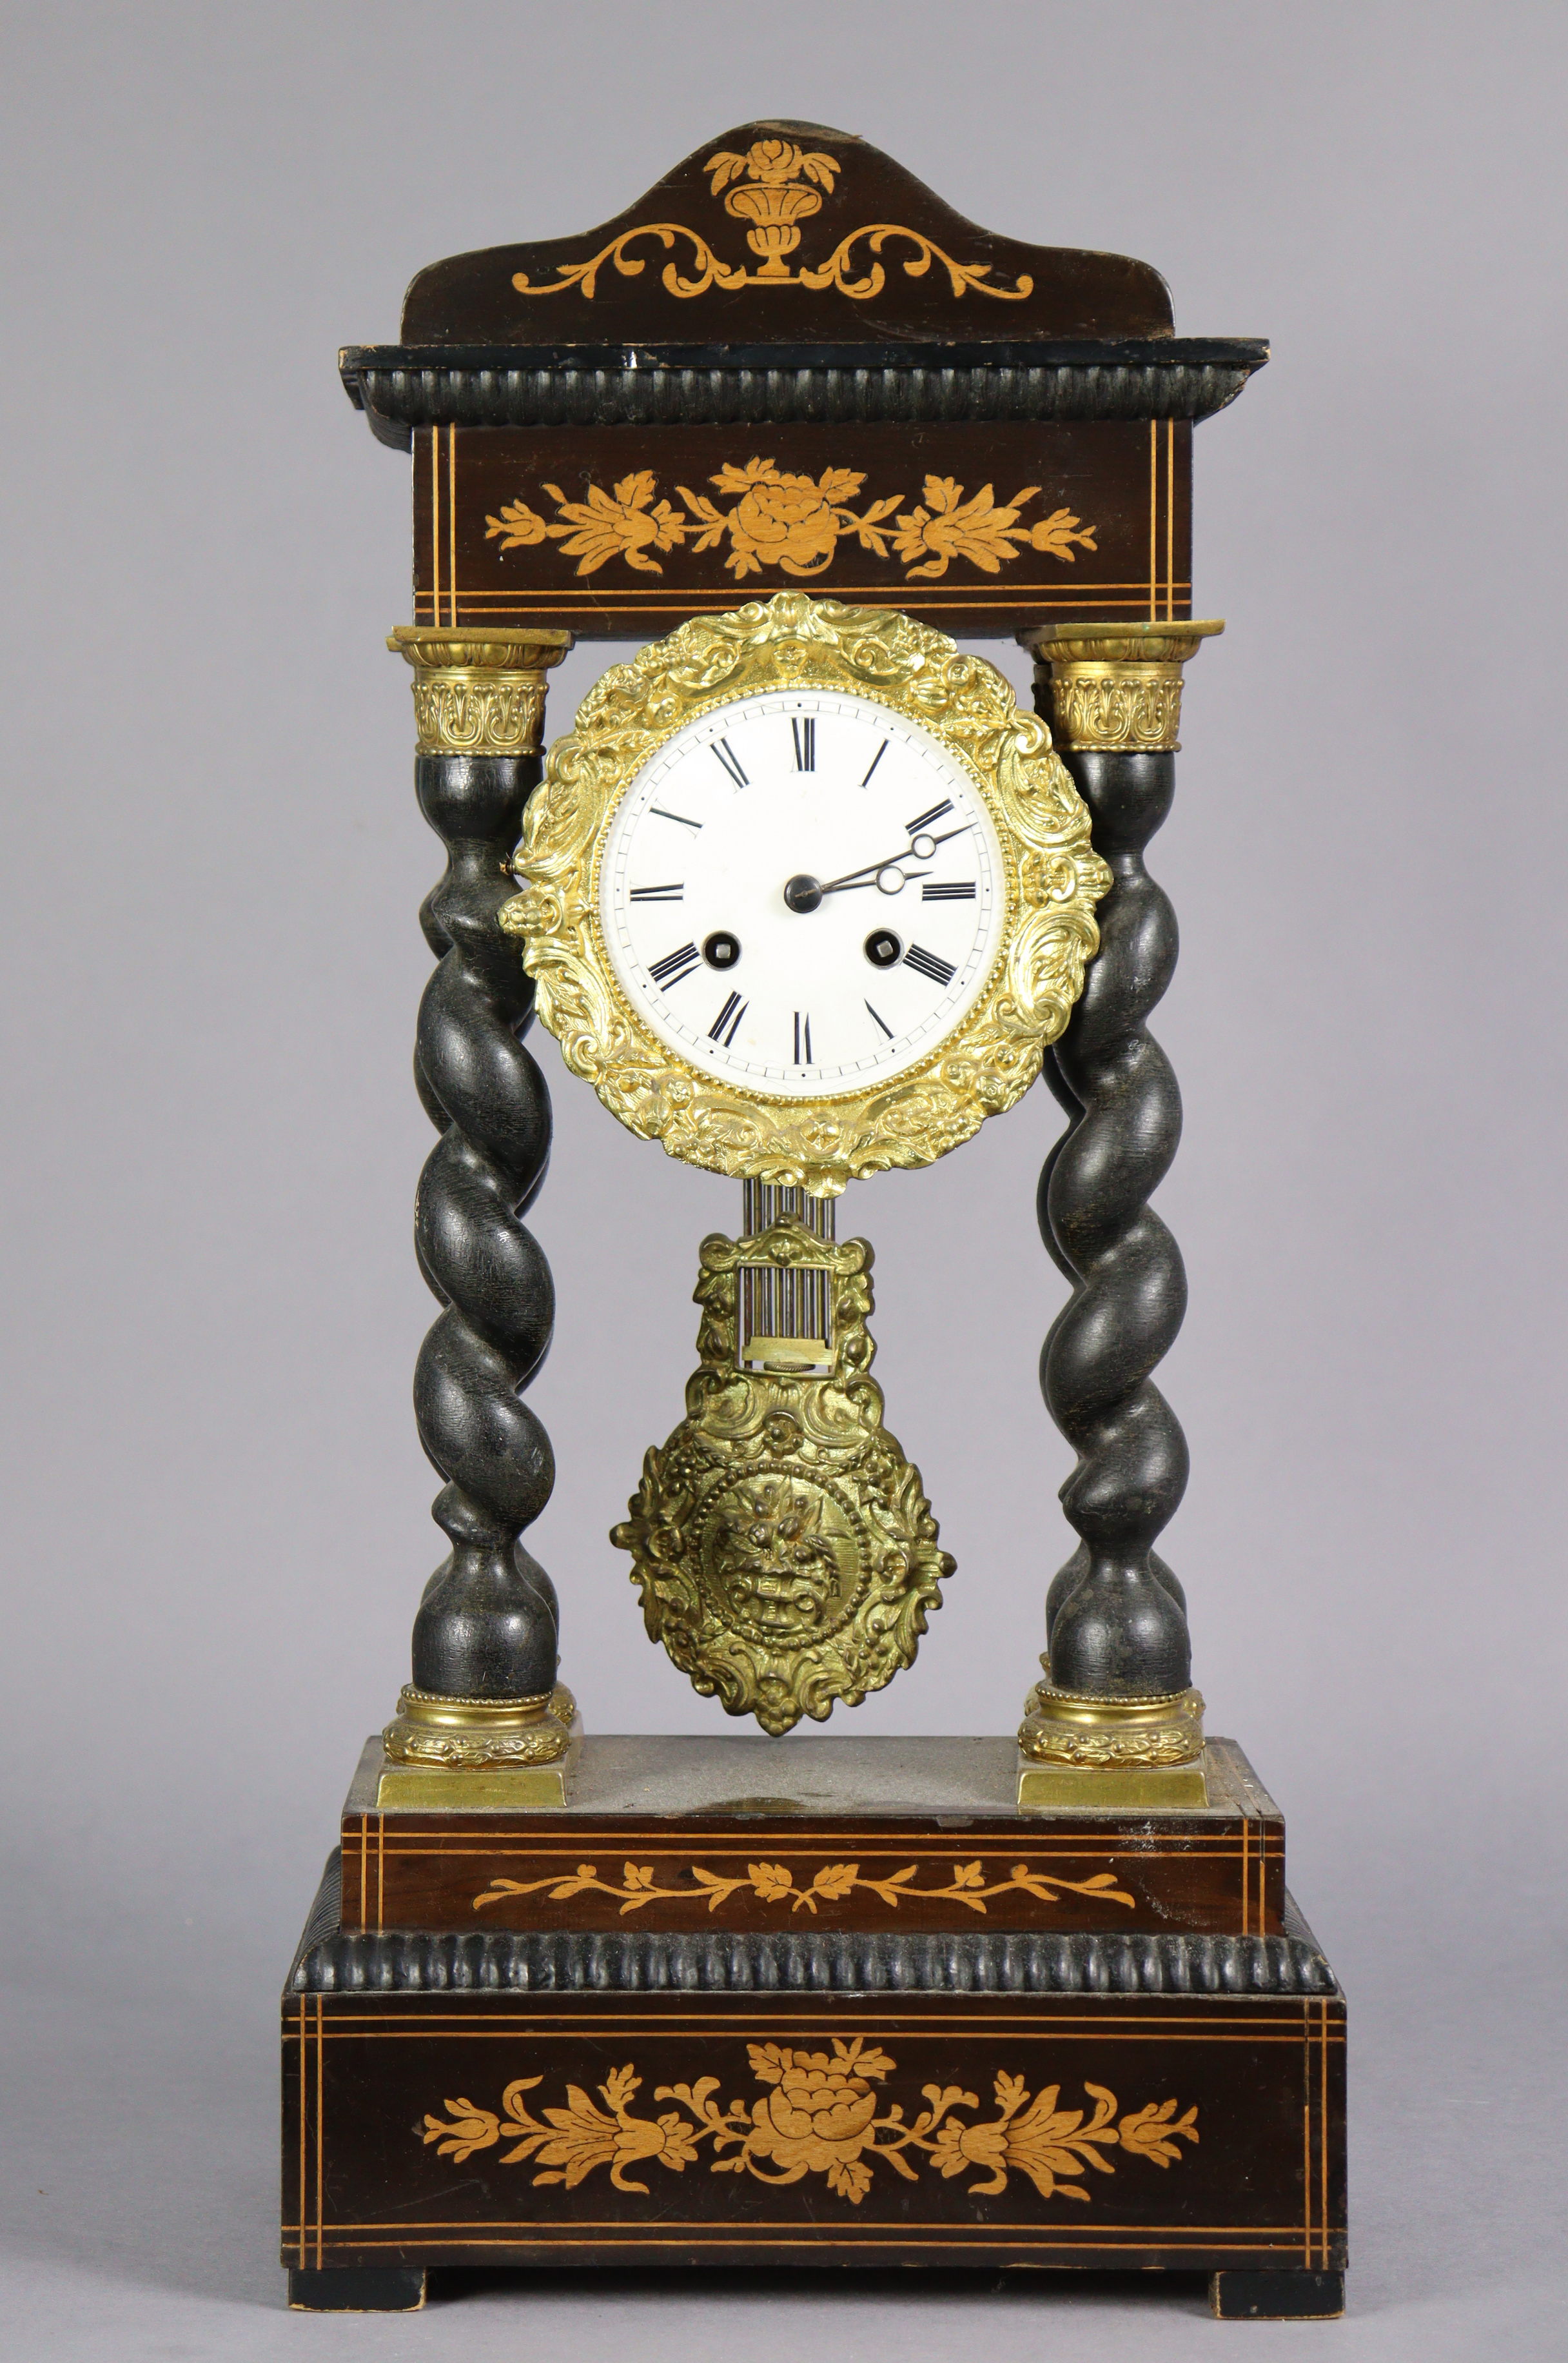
<point x="216" y="1511"/>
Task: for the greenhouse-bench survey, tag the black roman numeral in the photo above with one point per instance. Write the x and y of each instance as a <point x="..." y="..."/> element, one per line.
<point x="675" y="965"/>
<point x="661" y="811"/>
<point x="803" y="1034"/>
<point x="874" y="761"/>
<point x="732" y="1013"/>
<point x="882" y="1023"/>
<point x="924" y="819"/>
<point x="665" y="893"/>
<point x="730" y="762"/>
<point x="926" y="963"/>
<point x="805" y="735"/>
<point x="948" y="894"/>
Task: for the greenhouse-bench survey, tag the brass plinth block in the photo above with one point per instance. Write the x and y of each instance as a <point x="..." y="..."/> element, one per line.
<point x="1110" y="1788"/>
<point x="478" y="693"/>
<point x="1111" y="1751"/>
<point x="463" y="1755"/>
<point x="480" y="1788"/>
<point x="1115" y="686"/>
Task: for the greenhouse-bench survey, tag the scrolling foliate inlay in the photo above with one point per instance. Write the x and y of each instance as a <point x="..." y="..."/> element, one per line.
<point x="820" y="2113"/>
<point x="793" y="522"/>
<point x="774" y="188"/>
<point x="1051" y="875"/>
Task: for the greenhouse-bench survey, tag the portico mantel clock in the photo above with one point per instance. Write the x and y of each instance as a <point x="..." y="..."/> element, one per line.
<point x="804" y="896"/>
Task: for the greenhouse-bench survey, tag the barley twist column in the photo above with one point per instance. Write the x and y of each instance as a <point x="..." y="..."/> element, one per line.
<point x="1116" y="1721"/>
<point x="483" y="1719"/>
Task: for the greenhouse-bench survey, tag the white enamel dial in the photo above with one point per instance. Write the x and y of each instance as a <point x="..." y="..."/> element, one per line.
<point x="802" y="892"/>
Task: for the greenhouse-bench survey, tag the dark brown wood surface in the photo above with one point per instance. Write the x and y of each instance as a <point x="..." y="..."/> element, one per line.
<point x="1219" y="1873"/>
<point x="979" y="529"/>
<point x="1143" y="2130"/>
<point x="783" y="232"/>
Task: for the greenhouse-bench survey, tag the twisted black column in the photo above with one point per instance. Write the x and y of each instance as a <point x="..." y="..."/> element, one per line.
<point x="487" y="1624"/>
<point x="1116" y="1705"/>
<point x="484" y="1705"/>
<point x="1115" y="1615"/>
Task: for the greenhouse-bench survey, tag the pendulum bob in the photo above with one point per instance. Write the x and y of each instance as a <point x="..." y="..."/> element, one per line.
<point x="783" y="1546"/>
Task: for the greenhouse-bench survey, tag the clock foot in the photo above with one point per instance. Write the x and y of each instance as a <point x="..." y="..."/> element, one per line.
<point x="1276" y="2297"/>
<point x="357" y="2289"/>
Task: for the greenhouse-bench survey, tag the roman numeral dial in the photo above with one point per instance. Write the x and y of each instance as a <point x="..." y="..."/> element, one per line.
<point x="726" y="1025"/>
<point x="673" y="966"/>
<point x="929" y="964"/>
<point x="730" y="762"/>
<point x="896" y="908"/>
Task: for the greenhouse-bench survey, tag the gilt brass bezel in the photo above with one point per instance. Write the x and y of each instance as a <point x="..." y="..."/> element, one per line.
<point x="1051" y="876"/>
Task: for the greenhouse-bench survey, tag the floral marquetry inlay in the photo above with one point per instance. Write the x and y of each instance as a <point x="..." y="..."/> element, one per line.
<point x="820" y="2113"/>
<point x="793" y="522"/>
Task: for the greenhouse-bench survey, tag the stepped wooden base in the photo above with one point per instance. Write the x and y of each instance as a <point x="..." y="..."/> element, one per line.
<point x="694" y="2020"/>
<point x="931" y="1830"/>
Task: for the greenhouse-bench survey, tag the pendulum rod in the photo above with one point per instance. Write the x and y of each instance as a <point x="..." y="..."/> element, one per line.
<point x="787" y="1301"/>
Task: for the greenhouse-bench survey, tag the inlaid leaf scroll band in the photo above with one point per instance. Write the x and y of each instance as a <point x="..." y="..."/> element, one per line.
<point x="774" y="1882"/>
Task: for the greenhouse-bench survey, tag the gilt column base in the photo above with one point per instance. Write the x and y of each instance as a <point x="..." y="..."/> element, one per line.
<point x="1075" y="1748"/>
<point x="460" y="1755"/>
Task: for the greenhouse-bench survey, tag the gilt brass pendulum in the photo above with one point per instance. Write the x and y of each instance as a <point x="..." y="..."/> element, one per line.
<point x="784" y="1548"/>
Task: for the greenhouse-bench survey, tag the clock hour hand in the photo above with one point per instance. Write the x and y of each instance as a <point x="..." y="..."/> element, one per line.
<point x="864" y="874"/>
<point x="920" y="849"/>
<point x="804" y="892"/>
<point x="891" y="877"/>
